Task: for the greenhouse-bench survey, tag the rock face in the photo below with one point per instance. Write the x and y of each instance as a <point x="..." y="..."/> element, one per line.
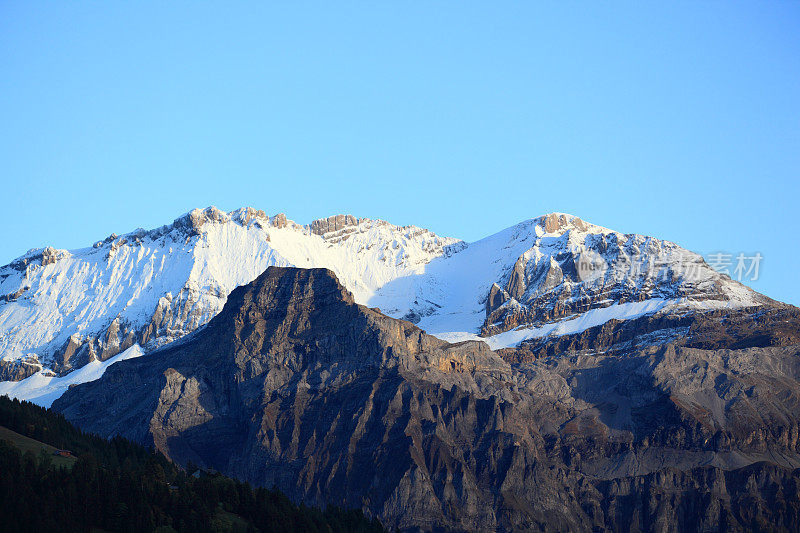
<point x="334" y="223"/>
<point x="19" y="369"/>
<point x="294" y="384"/>
<point x="759" y="327"/>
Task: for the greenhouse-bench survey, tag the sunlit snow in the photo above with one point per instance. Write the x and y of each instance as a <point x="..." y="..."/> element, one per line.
<point x="567" y="326"/>
<point x="43" y="389"/>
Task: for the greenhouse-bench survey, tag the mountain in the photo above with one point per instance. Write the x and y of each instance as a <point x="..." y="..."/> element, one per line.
<point x="295" y="384"/>
<point x="60" y="309"/>
<point x="131" y="294"/>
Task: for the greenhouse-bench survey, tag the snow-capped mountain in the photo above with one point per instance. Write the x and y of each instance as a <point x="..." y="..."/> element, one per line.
<point x="555" y="268"/>
<point x="60" y="310"/>
<point x="65" y="308"/>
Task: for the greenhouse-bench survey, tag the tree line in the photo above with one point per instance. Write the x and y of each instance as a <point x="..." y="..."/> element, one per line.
<point x="117" y="485"/>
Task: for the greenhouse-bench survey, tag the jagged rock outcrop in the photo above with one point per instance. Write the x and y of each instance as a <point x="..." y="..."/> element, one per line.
<point x="571" y="267"/>
<point x="247" y="215"/>
<point x="294" y="384"/>
<point x="41" y="257"/>
<point x="334" y="223"/>
<point x="497" y="297"/>
<point x="758" y="327"/>
<point x="14" y="296"/>
<point x="553" y="222"/>
<point x="18" y="369"/>
<point x="279" y="221"/>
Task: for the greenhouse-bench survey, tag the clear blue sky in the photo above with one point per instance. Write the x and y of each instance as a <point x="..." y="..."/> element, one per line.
<point x="680" y="120"/>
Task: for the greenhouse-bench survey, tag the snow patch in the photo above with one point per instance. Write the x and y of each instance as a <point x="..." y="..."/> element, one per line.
<point x="43" y="388"/>
<point x="567" y="326"/>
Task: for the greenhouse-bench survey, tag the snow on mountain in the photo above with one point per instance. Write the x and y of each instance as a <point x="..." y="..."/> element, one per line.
<point x="43" y="388"/>
<point x="62" y="309"/>
<point x="567" y="326"/>
<point x="552" y="268"/>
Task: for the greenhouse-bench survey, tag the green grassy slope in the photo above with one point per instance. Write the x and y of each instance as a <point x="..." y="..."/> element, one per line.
<point x="27" y="444"/>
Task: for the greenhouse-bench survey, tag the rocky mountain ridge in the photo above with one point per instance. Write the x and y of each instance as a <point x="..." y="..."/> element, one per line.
<point x="295" y="384"/>
<point x="549" y="276"/>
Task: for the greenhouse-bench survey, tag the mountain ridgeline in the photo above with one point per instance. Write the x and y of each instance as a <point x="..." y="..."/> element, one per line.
<point x="666" y="422"/>
<point x="65" y="309"/>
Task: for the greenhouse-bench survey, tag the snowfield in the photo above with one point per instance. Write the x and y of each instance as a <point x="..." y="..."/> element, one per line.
<point x="567" y="326"/>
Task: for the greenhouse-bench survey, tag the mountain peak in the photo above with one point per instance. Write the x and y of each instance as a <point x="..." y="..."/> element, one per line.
<point x="294" y="385"/>
<point x="559" y="223"/>
<point x="321" y="226"/>
<point x="288" y="288"/>
<point x="244" y="216"/>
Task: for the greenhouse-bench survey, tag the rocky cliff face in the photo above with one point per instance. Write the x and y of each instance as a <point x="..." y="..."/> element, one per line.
<point x="332" y="224"/>
<point x="295" y="384"/>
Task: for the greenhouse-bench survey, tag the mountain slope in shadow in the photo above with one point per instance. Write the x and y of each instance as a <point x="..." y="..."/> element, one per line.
<point x="295" y="385"/>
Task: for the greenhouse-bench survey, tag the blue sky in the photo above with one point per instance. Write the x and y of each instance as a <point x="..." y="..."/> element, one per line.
<point x="680" y="120"/>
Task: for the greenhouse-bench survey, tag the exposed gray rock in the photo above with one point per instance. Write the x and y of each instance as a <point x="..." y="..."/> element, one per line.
<point x="14" y="296"/>
<point x="51" y="255"/>
<point x="38" y="257"/>
<point x="759" y="327"/>
<point x="333" y="223"/>
<point x="496" y="298"/>
<point x="69" y="350"/>
<point x="279" y="220"/>
<point x="554" y="222"/>
<point x="248" y="215"/>
<point x="18" y="369"/>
